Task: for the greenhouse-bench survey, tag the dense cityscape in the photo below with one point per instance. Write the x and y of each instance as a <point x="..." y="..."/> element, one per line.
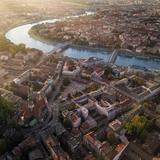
<point x="67" y="91"/>
<point x="133" y="28"/>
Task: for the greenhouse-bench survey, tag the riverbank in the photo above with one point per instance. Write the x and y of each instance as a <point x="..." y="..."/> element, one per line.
<point x="124" y="57"/>
<point x="41" y="39"/>
<point x="126" y="52"/>
<point x="48" y="41"/>
<point x="95" y="32"/>
<point x="122" y="52"/>
<point x="40" y="19"/>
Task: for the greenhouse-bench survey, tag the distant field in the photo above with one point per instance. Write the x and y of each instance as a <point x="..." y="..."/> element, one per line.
<point x="76" y="2"/>
<point x="15" y="12"/>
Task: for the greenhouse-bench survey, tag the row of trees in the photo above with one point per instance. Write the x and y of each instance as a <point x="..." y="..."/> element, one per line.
<point x="10" y="133"/>
<point x="6" y="45"/>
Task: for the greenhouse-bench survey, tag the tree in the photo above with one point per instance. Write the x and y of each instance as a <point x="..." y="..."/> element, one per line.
<point x="22" y="48"/>
<point x="3" y="146"/>
<point x="137" y="125"/>
<point x="52" y="58"/>
<point x="6" y="45"/>
<point x="143" y="135"/>
<point x="66" y="81"/>
<point x="67" y="123"/>
<point x="107" y="71"/>
<point x="112" y="138"/>
<point x="136" y="81"/>
<point x="4" y="109"/>
<point x="92" y="87"/>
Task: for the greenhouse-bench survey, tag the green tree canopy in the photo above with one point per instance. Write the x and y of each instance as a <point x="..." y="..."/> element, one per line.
<point x="6" y="45"/>
<point x="107" y="71"/>
<point x="111" y="138"/>
<point x="4" y="109"/>
<point x="137" y="125"/>
<point x="3" y="146"/>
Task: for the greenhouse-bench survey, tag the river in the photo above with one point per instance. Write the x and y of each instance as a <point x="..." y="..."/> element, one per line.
<point x="20" y="35"/>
